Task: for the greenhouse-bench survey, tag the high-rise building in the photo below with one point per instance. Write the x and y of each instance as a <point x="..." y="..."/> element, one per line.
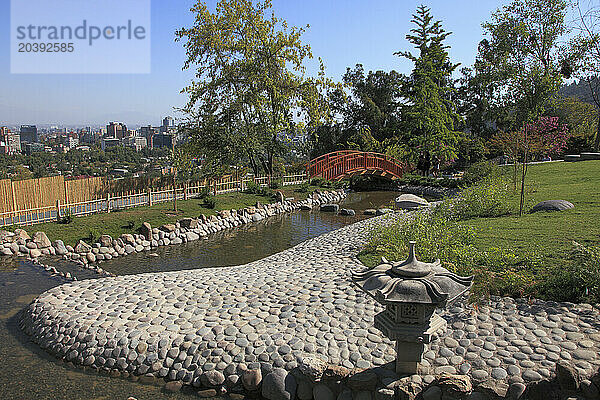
<point x="28" y="134"/>
<point x="10" y="142"/>
<point x="117" y="130"/>
<point x="162" y="140"/>
<point x="168" y="122"/>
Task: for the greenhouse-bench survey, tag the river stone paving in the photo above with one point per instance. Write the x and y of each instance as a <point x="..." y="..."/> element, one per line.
<point x="300" y="302"/>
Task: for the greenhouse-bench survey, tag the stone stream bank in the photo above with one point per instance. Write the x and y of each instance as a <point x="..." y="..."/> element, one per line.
<point x="19" y="243"/>
<point x="293" y="326"/>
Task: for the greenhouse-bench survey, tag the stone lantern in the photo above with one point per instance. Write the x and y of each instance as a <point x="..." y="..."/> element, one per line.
<point x="411" y="290"/>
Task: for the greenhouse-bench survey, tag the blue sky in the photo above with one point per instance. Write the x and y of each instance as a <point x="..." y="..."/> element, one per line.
<point x="342" y="32"/>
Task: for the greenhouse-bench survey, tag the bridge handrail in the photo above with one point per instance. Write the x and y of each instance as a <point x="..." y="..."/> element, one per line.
<point x="323" y="164"/>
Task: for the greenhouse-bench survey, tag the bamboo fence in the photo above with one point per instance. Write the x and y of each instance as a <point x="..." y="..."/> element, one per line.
<point x="48" y="199"/>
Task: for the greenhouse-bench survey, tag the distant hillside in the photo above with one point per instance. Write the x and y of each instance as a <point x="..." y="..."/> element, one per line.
<point x="580" y="90"/>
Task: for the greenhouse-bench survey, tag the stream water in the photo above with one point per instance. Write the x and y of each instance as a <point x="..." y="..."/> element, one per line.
<point x="28" y="372"/>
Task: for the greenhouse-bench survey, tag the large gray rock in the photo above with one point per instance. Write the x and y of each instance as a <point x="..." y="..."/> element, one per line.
<point x="279" y="385"/>
<point x="410" y="201"/>
<point x="106" y="241"/>
<point x="552" y="205"/>
<point x="82" y="247"/>
<point x="322" y="392"/>
<point x="189" y="223"/>
<point x="347" y="211"/>
<point x="167" y="228"/>
<point x="21" y="234"/>
<point x="251" y="379"/>
<point x="370" y="211"/>
<point x="329" y="207"/>
<point x="212" y="378"/>
<point x="312" y="368"/>
<point x="60" y="247"/>
<point x="145" y="230"/>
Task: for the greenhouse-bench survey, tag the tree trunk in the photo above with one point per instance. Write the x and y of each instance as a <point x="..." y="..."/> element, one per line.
<point x="524" y="174"/>
<point x="174" y="193"/>
<point x="597" y="141"/>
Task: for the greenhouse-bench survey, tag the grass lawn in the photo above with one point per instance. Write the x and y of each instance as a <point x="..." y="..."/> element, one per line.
<point x="116" y="223"/>
<point x="531" y="255"/>
<point x="550" y="233"/>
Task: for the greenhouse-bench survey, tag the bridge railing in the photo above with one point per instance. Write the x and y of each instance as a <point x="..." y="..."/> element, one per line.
<point x="338" y="164"/>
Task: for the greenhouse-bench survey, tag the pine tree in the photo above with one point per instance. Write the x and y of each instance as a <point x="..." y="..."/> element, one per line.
<point x="429" y="114"/>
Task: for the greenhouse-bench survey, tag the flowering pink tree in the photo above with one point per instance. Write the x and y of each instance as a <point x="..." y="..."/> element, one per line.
<point x="546" y="136"/>
<point x="542" y="137"/>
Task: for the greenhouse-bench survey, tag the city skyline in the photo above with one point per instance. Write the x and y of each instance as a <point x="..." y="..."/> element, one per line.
<point x="342" y="36"/>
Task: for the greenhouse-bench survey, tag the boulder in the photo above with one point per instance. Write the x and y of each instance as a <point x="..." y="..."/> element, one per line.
<point x="322" y="392"/>
<point x="251" y="379"/>
<point x="329" y="207"/>
<point x="82" y="247"/>
<point x="370" y="211"/>
<point x="552" y="205"/>
<point x="279" y="385"/>
<point x="366" y="380"/>
<point x="212" y="378"/>
<point x="347" y="211"/>
<point x="189" y="223"/>
<point x="567" y="376"/>
<point x="224" y="213"/>
<point x="146" y="231"/>
<point x="106" y="241"/>
<point x="381" y="211"/>
<point x="127" y="238"/>
<point x="410" y="202"/>
<point x="5" y="251"/>
<point x="190" y="236"/>
<point x="312" y="367"/>
<point x="35" y="253"/>
<point x="166" y="228"/>
<point x="21" y="234"/>
<point x="60" y="247"/>
<point x="6" y="236"/>
<point x="455" y="384"/>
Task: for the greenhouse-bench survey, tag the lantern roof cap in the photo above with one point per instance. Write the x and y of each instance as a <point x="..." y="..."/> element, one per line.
<point x="412" y="281"/>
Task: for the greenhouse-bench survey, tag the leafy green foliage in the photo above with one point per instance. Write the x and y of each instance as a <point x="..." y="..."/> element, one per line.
<point x="578" y="279"/>
<point x="209" y="202"/>
<point x="250" y="84"/>
<point x="419" y="180"/>
<point x="496" y="271"/>
<point x="429" y="114"/>
<point x="490" y="197"/>
<point x="518" y="67"/>
<point x="67" y="217"/>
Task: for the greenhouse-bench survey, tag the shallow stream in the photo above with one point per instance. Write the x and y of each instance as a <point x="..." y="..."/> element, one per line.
<point x="27" y="372"/>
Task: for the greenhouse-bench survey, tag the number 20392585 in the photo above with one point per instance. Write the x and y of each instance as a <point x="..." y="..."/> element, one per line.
<point x="45" y="47"/>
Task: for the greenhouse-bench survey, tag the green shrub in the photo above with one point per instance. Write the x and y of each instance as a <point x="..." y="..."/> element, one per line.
<point x="478" y="171"/>
<point x="93" y="235"/>
<point x="275" y="184"/>
<point x="252" y="188"/>
<point x="577" y="280"/>
<point x="209" y="202"/>
<point x="496" y="271"/>
<point x="303" y="188"/>
<point x="317" y="182"/>
<point x="66" y="218"/>
<point x="204" y="193"/>
<point x="489" y="198"/>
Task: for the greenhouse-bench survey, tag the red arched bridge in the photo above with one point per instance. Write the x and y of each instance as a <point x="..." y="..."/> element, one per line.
<point x="345" y="163"/>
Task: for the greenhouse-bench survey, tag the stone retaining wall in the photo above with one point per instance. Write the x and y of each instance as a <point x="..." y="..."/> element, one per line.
<point x="19" y="243"/>
<point x="292" y="325"/>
